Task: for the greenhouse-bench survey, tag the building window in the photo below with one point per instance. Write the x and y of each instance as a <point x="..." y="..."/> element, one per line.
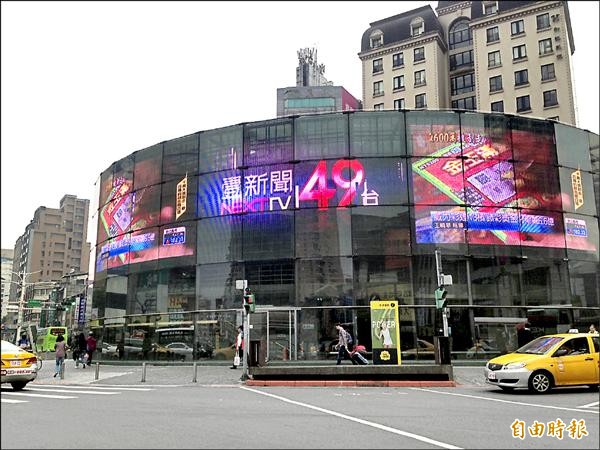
<point x="417" y="27"/>
<point x="399" y="82"/>
<point x="521" y="77"/>
<point x="399" y="104"/>
<point x="462" y="84"/>
<point x="523" y="104"/>
<point x="545" y="46"/>
<point x="460" y="35"/>
<point x="459" y="60"/>
<point x="490" y="8"/>
<point x="493" y="35"/>
<point x="543" y="21"/>
<point x="494" y="59"/>
<point x="419" y="54"/>
<point x="378" y="88"/>
<point x="498" y="106"/>
<point x="377" y="65"/>
<point x="548" y="72"/>
<point x="376" y="39"/>
<point x="398" y="60"/>
<point x="419" y="77"/>
<point x="517" y="27"/>
<point x="464" y="103"/>
<point x="496" y="83"/>
<point x="378" y="107"/>
<point x="550" y="98"/>
<point x="519" y="52"/>
<point x="420" y="101"/>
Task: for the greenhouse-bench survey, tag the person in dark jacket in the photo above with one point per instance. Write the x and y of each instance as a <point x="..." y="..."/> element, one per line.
<point x="524" y="334"/>
<point x="79" y="349"/>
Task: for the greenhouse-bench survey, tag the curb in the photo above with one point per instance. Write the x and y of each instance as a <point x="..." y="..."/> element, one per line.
<point x="351" y="383"/>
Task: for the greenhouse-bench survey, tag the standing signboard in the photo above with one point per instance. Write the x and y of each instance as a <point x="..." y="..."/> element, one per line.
<point x="385" y="332"/>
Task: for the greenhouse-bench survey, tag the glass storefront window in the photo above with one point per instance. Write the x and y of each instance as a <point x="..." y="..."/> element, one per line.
<point x="321" y="137"/>
<point x="323" y="233"/>
<point x="577" y="189"/>
<point x="581" y="234"/>
<point x="573" y="147"/>
<point x="377" y="134"/>
<point x="221" y="149"/>
<point x="433" y="133"/>
<point x="268" y="142"/>
<point x="178" y="200"/>
<point x="180" y="157"/>
<point x="148" y="166"/>
<point x="215" y="285"/>
<point x="391" y="224"/>
<point x="324" y="282"/>
<point x="219" y="239"/>
<point x="268" y="236"/>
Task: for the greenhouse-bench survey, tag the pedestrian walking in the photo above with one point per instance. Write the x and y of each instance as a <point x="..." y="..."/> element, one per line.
<point x="61" y="351"/>
<point x="90" y="347"/>
<point x="343" y="343"/>
<point x="239" y="348"/>
<point x="79" y="349"/>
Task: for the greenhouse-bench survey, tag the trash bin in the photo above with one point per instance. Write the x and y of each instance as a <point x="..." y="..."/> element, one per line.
<point x="442" y="349"/>
<point x="255" y="357"/>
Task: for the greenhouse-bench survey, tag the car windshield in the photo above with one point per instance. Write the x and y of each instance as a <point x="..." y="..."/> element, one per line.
<point x="540" y="346"/>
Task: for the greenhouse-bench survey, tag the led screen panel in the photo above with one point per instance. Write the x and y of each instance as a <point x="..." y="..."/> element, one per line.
<point x="314" y="184"/>
<point x="472" y="170"/>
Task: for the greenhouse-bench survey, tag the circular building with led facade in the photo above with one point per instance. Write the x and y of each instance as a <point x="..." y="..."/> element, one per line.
<point x="322" y="214"/>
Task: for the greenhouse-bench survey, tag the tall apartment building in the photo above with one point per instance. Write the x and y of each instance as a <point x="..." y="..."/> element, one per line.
<point x="313" y="93"/>
<point x="54" y="243"/>
<point x="504" y="56"/>
<point x="7" y="265"/>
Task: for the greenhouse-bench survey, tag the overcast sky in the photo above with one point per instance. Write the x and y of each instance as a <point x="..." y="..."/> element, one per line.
<point x="87" y="83"/>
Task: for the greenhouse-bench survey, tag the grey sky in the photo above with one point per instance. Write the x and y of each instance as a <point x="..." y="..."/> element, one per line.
<point x="87" y="83"/>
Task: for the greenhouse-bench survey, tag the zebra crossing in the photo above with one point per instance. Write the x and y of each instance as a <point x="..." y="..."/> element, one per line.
<point x="54" y="392"/>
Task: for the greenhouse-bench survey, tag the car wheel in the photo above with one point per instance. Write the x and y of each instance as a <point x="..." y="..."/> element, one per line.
<point x="507" y="388"/>
<point x="540" y="382"/>
<point x="18" y="385"/>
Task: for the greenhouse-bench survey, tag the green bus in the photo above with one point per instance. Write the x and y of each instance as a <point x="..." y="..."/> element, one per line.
<point x="46" y="338"/>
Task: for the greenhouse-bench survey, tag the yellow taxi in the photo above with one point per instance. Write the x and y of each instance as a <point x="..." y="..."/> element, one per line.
<point x="19" y="367"/>
<point x="567" y="359"/>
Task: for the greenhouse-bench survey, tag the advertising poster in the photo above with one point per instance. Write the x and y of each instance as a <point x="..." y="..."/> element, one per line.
<point x="385" y="332"/>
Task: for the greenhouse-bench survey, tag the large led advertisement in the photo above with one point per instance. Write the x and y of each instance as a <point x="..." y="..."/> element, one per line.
<point x="130" y="223"/>
<point x="315" y="184"/>
<point x="469" y="182"/>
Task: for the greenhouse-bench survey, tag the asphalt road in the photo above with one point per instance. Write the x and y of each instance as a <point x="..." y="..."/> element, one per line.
<point x="169" y="411"/>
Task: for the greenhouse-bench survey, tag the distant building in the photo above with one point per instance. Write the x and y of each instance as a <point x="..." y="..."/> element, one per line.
<point x="313" y="93"/>
<point x="499" y="56"/>
<point x="7" y="263"/>
<point x="53" y="244"/>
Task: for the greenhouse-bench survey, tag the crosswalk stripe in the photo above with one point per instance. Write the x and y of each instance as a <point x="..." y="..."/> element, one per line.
<point x="90" y="387"/>
<point x="10" y="400"/>
<point x="26" y="394"/>
<point x="67" y="391"/>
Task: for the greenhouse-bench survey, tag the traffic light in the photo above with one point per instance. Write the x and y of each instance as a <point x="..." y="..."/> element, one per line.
<point x="440" y="298"/>
<point x="249" y="304"/>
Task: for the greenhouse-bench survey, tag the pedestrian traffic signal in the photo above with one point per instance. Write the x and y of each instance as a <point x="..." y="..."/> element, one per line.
<point x="440" y="298"/>
<point x="249" y="304"/>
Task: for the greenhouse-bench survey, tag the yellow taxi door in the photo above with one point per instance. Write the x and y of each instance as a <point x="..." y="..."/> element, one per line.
<point x="579" y="367"/>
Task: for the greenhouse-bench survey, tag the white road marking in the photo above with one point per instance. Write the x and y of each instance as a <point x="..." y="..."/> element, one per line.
<point x="535" y="405"/>
<point x="589" y="405"/>
<point x="10" y="400"/>
<point x="26" y="394"/>
<point x="355" y="419"/>
<point x="88" y="387"/>
<point x="62" y="390"/>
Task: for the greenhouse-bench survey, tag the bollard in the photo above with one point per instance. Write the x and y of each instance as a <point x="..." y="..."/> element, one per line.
<point x="97" y="374"/>
<point x="143" y="372"/>
<point x="62" y="370"/>
<point x="195" y="379"/>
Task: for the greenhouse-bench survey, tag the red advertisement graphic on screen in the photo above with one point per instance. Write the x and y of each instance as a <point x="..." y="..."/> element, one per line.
<point x="502" y="201"/>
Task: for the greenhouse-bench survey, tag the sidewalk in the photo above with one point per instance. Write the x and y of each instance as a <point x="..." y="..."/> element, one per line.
<point x="207" y="375"/>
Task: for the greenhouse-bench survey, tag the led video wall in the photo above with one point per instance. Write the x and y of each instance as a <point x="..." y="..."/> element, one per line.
<point x="459" y="178"/>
